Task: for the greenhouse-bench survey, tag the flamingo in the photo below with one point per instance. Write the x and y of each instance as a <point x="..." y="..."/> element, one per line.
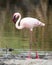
<point x="27" y="22"/>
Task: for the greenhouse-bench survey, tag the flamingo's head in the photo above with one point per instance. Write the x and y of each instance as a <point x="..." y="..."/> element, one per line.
<point x="15" y="17"/>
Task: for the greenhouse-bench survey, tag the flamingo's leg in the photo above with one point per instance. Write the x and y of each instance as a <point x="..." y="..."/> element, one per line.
<point x="30" y="45"/>
<point x="30" y="40"/>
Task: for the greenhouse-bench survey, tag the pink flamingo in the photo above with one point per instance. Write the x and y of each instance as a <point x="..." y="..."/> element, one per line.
<point x="27" y="22"/>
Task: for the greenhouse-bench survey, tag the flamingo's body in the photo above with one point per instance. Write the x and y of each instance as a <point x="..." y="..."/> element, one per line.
<point x="27" y="22"/>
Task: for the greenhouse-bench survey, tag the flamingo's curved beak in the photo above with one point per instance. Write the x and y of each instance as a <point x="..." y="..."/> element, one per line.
<point x="14" y="19"/>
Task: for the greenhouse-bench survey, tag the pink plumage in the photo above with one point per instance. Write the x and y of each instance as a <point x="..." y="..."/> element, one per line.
<point x="27" y="22"/>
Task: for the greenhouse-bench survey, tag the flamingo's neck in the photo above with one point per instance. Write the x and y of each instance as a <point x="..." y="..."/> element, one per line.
<point x="18" y="21"/>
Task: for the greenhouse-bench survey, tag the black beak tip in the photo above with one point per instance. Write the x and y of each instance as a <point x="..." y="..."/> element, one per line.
<point x="14" y="19"/>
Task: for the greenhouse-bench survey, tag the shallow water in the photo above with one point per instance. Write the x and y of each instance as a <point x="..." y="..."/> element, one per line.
<point x="27" y="62"/>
